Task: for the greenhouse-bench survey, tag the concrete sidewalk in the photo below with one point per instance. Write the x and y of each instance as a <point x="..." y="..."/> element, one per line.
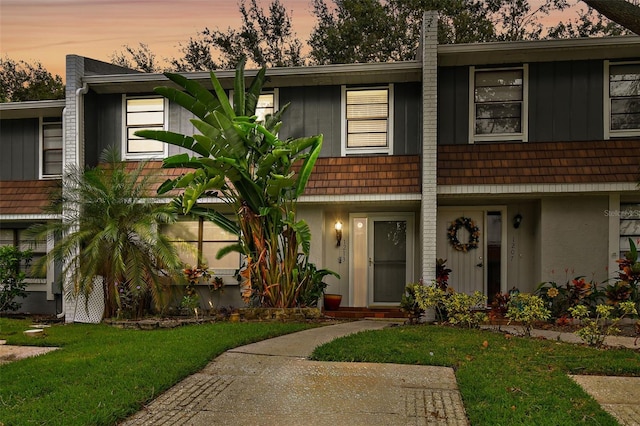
<point x="273" y="383"/>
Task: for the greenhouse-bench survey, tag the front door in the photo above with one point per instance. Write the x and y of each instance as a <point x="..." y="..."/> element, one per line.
<point x="461" y="241"/>
<point x="383" y="252"/>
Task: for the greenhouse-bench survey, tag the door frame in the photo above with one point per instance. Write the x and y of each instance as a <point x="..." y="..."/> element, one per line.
<point x="503" y="238"/>
<point x="370" y="217"/>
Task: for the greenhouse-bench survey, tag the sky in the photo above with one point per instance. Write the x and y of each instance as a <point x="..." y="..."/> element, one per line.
<point x="47" y="30"/>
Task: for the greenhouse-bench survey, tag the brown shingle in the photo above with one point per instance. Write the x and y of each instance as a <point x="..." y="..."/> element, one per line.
<point x="544" y="162"/>
<point x="26" y="197"/>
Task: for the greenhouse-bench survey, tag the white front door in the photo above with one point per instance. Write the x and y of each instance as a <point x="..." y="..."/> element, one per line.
<point x="454" y="243"/>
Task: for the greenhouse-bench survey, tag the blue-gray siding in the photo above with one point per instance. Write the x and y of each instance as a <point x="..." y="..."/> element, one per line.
<point x="565" y="102"/>
<point x="19" y="146"/>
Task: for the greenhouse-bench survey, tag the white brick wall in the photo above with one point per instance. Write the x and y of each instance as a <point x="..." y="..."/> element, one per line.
<point x="74" y="74"/>
<point x="429" y="143"/>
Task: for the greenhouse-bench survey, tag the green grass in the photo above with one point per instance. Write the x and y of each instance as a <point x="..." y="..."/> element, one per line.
<point x="103" y="374"/>
<point x="516" y="381"/>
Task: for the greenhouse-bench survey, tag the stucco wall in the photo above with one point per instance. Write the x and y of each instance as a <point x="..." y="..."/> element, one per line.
<point x="574" y="237"/>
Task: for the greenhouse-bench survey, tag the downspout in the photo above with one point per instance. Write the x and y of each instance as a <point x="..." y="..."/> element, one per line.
<point x="79" y="122"/>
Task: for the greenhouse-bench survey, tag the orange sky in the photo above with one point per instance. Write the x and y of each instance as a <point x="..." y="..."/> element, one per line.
<point x="47" y="30"/>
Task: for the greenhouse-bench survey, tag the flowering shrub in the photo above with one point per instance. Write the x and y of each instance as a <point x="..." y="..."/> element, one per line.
<point x="527" y="309"/>
<point x="465" y="309"/>
<point x="130" y="300"/>
<point x="594" y="330"/>
<point x="559" y="298"/>
<point x="432" y="296"/>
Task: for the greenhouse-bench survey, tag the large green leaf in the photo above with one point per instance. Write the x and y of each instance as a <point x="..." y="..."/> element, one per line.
<point x="184" y="100"/>
<point x="175" y="139"/>
<point x="201" y="94"/>
<point x="307" y="166"/>
<point x="222" y="97"/>
<point x="252" y="95"/>
<point x="238" y="87"/>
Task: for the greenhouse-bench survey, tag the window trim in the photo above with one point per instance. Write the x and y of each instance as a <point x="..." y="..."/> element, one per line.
<point x="606" y="99"/>
<point x="199" y="242"/>
<point x="387" y="150"/>
<point x="143" y="156"/>
<point x="523" y="136"/>
<point x="41" y="123"/>
<point x="271" y="91"/>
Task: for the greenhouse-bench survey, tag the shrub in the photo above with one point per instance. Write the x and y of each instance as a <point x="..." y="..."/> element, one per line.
<point x="578" y="291"/>
<point x="465" y="309"/>
<point x="527" y="309"/>
<point x="13" y="262"/>
<point x="432" y="297"/>
<point x="409" y="303"/>
<point x="594" y="330"/>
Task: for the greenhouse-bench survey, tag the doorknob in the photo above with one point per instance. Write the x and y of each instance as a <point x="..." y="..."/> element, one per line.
<point x="479" y="265"/>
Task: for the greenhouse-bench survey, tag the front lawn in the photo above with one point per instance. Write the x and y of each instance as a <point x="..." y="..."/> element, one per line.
<point x="505" y="381"/>
<point x="103" y="374"/>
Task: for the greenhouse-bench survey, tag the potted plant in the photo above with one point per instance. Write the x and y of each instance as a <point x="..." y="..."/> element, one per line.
<point x="332" y="301"/>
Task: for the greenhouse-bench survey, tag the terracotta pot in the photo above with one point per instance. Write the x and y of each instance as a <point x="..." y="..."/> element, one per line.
<point x="332" y="301"/>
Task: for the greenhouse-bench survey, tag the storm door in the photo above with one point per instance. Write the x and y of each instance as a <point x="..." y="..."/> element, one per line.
<point x="390" y="258"/>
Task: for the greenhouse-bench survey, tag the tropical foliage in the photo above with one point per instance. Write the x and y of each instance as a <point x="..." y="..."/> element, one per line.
<point x="241" y="161"/>
<point x="13" y="263"/>
<point x="104" y="234"/>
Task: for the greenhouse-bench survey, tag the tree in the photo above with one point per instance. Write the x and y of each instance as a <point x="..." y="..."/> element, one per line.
<point x="265" y="38"/>
<point x="138" y="58"/>
<point x="105" y="233"/>
<point x="377" y="31"/>
<point x="21" y="81"/>
<point x="589" y="23"/>
<point x="625" y="13"/>
<point x="13" y="263"/>
<point x="241" y="161"/>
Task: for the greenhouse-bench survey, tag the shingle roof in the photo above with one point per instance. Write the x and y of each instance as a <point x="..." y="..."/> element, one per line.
<point x="547" y="162"/>
<point x="399" y="174"/>
<point x="26" y="196"/>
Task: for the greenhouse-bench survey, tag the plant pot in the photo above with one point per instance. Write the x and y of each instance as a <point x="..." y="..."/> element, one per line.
<point x="332" y="301"/>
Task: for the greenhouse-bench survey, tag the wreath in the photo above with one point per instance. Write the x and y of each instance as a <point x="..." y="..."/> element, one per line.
<point x="470" y="226"/>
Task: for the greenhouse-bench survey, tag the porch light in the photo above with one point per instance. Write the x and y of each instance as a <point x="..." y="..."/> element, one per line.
<point x="338" y="227"/>
<point x="517" y="220"/>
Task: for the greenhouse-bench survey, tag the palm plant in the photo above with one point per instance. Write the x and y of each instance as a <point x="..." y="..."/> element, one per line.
<point x="240" y="160"/>
<point x="110" y="230"/>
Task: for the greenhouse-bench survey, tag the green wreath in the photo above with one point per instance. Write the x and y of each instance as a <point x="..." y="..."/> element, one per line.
<point x="470" y="226"/>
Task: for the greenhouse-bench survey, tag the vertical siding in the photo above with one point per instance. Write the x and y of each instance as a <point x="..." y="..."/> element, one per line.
<point x="453" y="105"/>
<point x="313" y="110"/>
<point x="565" y="101"/>
<point x="407" y="120"/>
<point x="103" y="125"/>
<point x="20" y="145"/>
<point x="179" y="122"/>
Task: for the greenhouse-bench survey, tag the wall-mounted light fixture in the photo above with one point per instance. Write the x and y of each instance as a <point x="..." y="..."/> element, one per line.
<point x="338" y="227"/>
<point x="517" y="220"/>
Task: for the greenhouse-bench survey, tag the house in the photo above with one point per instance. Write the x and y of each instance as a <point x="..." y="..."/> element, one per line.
<point x="518" y="162"/>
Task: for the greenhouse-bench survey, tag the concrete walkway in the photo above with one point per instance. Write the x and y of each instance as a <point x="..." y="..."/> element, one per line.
<point x="273" y="383"/>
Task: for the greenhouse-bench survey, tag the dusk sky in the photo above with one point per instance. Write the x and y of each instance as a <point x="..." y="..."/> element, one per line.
<point x="47" y="30"/>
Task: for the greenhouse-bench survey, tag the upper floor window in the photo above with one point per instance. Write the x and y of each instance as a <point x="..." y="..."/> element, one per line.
<point x="622" y="105"/>
<point x="51" y="143"/>
<point x="144" y="113"/>
<point x="367" y="120"/>
<point x="266" y="105"/>
<point x="498" y="104"/>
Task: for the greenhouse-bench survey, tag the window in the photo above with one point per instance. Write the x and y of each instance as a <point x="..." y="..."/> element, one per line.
<point x="20" y="239"/>
<point x="498" y="104"/>
<point x="266" y="105"/>
<point x="143" y="113"/>
<point x="629" y="226"/>
<point x="622" y="104"/>
<point x="205" y="239"/>
<point x="367" y="120"/>
<point x="51" y="143"/>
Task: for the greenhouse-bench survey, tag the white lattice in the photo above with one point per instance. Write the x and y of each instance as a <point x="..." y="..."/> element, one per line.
<point x="91" y="309"/>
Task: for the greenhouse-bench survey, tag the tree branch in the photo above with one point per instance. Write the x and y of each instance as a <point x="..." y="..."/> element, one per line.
<point x="619" y="11"/>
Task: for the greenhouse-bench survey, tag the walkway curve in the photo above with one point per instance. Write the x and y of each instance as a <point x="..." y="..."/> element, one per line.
<point x="272" y="382"/>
